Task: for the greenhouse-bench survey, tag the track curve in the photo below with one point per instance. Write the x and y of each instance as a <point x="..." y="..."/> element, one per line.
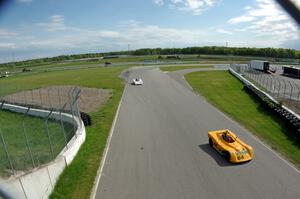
<point x="160" y="149"/>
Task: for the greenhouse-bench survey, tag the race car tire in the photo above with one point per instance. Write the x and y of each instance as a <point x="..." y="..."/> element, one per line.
<point x="87" y="120"/>
<point x="227" y="156"/>
<point x="210" y="142"/>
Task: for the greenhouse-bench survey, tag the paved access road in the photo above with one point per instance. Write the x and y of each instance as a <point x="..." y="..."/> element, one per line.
<point x="159" y="150"/>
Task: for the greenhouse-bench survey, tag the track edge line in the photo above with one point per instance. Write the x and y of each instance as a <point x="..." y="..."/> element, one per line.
<point x="103" y="160"/>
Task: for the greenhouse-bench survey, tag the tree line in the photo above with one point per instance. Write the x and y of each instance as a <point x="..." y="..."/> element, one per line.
<point x="207" y="50"/>
<point x="216" y="50"/>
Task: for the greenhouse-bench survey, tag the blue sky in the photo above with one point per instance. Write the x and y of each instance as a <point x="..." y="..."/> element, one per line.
<point x="40" y="28"/>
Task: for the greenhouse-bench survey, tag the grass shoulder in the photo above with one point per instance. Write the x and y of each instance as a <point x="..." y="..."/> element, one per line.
<point x="227" y="93"/>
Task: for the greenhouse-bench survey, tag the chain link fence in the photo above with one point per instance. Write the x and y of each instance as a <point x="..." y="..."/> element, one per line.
<point x="27" y="141"/>
<point x="284" y="89"/>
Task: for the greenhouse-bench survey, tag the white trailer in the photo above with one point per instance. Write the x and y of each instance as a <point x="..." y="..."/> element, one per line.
<point x="260" y="65"/>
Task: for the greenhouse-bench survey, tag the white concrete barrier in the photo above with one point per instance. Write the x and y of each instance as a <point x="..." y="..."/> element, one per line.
<point x="39" y="182"/>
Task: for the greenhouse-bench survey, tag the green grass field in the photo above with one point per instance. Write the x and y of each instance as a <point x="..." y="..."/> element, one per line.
<point x="95" y="77"/>
<point x="182" y="67"/>
<point x="227" y="93"/>
<point x="12" y="130"/>
<point x="77" y="179"/>
<point x="44" y="66"/>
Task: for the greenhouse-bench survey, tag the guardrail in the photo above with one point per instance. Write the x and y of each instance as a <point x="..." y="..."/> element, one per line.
<point x="283" y="89"/>
<point x="289" y="116"/>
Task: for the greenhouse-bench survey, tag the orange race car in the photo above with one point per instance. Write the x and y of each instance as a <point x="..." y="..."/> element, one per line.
<point x="229" y="145"/>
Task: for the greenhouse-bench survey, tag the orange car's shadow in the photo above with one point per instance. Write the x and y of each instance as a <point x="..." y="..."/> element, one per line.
<point x="220" y="160"/>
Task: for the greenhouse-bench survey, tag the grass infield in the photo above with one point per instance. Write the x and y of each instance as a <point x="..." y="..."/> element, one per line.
<point x="77" y="179"/>
<point x="12" y="131"/>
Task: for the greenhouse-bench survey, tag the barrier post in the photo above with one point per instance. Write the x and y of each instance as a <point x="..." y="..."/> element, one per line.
<point x="6" y="152"/>
<point x="26" y="138"/>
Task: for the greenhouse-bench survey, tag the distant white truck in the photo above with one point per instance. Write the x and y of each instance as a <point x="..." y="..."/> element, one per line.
<point x="260" y="65"/>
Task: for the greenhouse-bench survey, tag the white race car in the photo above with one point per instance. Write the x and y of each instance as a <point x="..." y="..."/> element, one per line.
<point x="137" y="81"/>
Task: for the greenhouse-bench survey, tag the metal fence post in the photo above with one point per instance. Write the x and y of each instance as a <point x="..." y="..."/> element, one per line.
<point x="274" y="86"/>
<point x="291" y="89"/>
<point x="48" y="133"/>
<point x="298" y="94"/>
<point x="48" y="92"/>
<point x="259" y="78"/>
<point x="75" y="96"/>
<point x="59" y="97"/>
<point x="6" y="152"/>
<point x="271" y="84"/>
<point x="62" y="125"/>
<point x="252" y="74"/>
<point x="26" y="137"/>
<point x="72" y="111"/>
<point x="284" y="88"/>
<point x="24" y="97"/>
<point x="32" y="98"/>
<point x="263" y="80"/>
<point x="279" y="87"/>
<point x="2" y="104"/>
<point x="41" y="101"/>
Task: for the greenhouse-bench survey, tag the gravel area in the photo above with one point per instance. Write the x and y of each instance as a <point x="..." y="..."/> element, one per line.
<point x="90" y="100"/>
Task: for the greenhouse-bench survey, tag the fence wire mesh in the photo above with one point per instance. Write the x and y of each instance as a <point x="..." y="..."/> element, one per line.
<point x="28" y="141"/>
<point x="284" y="89"/>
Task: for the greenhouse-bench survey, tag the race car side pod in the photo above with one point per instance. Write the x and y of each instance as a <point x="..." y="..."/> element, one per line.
<point x="86" y="118"/>
<point x="289" y="119"/>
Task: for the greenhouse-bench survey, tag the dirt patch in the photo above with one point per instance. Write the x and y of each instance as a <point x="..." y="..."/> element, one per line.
<point x="57" y="97"/>
<point x="91" y="99"/>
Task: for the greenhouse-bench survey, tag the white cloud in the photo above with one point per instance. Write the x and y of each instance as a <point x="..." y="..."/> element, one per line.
<point x="223" y="31"/>
<point x="240" y="19"/>
<point x="4" y="33"/>
<point x="152" y="35"/>
<point x="195" y="6"/>
<point x="268" y="21"/>
<point x="56" y="24"/>
<point x="130" y="32"/>
<point x="7" y="45"/>
<point x="159" y="2"/>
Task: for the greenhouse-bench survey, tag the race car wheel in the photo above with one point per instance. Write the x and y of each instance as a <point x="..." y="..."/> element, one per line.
<point x="227" y="156"/>
<point x="210" y="142"/>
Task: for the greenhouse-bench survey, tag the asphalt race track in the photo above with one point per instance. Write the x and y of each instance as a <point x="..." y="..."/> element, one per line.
<point x="159" y="150"/>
